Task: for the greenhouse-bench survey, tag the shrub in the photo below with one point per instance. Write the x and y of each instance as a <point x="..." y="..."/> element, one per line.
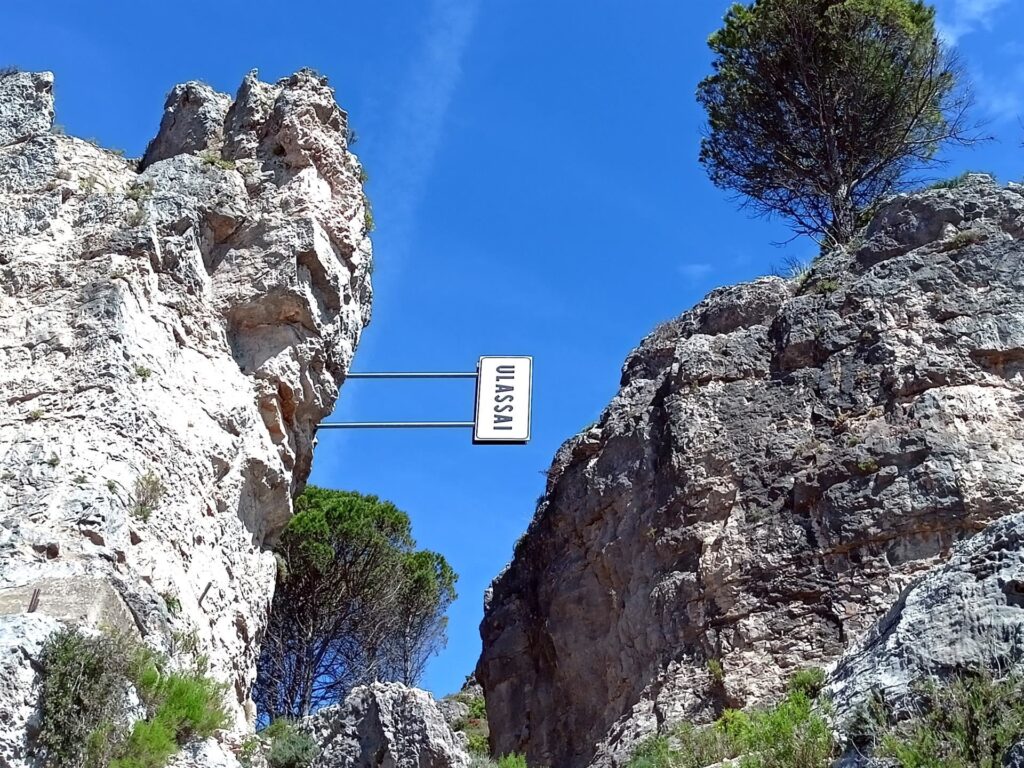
<point x="173" y="604"/>
<point x="792" y="734"/>
<point x="291" y="748"/>
<point x="180" y="706"/>
<point x="83" y="691"/>
<point x="965" y="238"/>
<point x="84" y="703"/>
<point x="368" y="222"/>
<point x="212" y="158"/>
<point x="716" y="671"/>
<point x="149" y="492"/>
<point x="808" y="681"/>
<point x="972" y="721"/>
<point x="957" y="181"/>
<point x="512" y="761"/>
<point x="478" y="708"/>
<point x="477" y="744"/>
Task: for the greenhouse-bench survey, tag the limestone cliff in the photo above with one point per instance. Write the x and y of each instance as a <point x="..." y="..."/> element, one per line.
<point x="779" y="464"/>
<point x="171" y="333"/>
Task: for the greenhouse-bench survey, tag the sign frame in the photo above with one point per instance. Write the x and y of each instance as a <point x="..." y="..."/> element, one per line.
<point x="522" y="438"/>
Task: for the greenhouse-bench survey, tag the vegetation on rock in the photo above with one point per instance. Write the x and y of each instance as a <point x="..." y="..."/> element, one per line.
<point x="817" y="109"/>
<point x="86" y="704"/>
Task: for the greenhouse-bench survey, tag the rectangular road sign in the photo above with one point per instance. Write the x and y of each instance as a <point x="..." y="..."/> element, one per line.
<point x="504" y="390"/>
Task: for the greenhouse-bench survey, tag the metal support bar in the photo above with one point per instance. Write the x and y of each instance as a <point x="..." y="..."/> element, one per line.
<point x="395" y="424"/>
<point x="411" y="375"/>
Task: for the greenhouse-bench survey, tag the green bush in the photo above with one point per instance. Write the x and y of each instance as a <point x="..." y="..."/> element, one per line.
<point x="477" y="744"/>
<point x="292" y="748"/>
<point x="809" y="681"/>
<point x="83" y="690"/>
<point x="957" y="181"/>
<point x="512" y="761"/>
<point x="792" y="734"/>
<point x="478" y="708"/>
<point x="970" y="722"/>
<point x="84" y="704"/>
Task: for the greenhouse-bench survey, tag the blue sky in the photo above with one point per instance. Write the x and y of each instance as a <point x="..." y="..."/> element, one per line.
<point x="534" y="178"/>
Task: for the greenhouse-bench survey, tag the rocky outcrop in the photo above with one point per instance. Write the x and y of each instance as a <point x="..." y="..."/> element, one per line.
<point x="385" y="725"/>
<point x="966" y="615"/>
<point x="169" y="339"/>
<point x="779" y="464"/>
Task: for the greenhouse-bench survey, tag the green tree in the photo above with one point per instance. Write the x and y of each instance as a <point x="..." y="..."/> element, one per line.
<point x="428" y="588"/>
<point x="355" y="602"/>
<point x="817" y="109"/>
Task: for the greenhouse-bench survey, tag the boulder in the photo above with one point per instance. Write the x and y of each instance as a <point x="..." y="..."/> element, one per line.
<point x="385" y="725"/>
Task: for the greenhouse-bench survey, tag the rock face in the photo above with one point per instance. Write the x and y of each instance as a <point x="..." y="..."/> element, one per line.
<point x="965" y="615"/>
<point x="779" y="464"/>
<point x="385" y="725"/>
<point x="169" y="340"/>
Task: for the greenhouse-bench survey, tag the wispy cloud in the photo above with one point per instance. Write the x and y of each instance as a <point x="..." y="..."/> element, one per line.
<point x="961" y="17"/>
<point x="420" y="112"/>
<point x="695" y="271"/>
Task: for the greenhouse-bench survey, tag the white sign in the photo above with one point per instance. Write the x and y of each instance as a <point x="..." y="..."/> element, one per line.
<point x="503" y="394"/>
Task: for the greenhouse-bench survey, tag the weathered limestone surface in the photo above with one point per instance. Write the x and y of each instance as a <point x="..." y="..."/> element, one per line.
<point x="779" y="463"/>
<point x="169" y="340"/>
<point x="385" y="725"/>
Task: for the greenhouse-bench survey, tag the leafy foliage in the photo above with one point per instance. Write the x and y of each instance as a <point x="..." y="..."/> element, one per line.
<point x="792" y="734"/>
<point x="289" y="747"/>
<point x="817" y="109"/>
<point x="84" y="704"/>
<point x="355" y="602"/>
<point x="971" y="721"/>
<point x="83" y="691"/>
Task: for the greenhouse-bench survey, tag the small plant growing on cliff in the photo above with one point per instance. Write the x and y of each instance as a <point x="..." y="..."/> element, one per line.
<point x="213" y="158"/>
<point x="36" y="414"/>
<point x="289" y="747"/>
<point x="868" y="466"/>
<point x="173" y="604"/>
<point x="143" y="372"/>
<point x="84" y="702"/>
<point x="968" y="721"/>
<point x="808" y="681"/>
<point x="958" y="181"/>
<point x="140" y="192"/>
<point x="54" y="460"/>
<point x="149" y="492"/>
<point x="368" y="223"/>
<point x="716" y="671"/>
<point x="825" y="287"/>
<point x="87" y="184"/>
<point x="965" y="238"/>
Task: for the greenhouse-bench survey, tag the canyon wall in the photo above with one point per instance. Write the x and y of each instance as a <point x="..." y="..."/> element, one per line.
<point x="171" y="332"/>
<point x="779" y="467"/>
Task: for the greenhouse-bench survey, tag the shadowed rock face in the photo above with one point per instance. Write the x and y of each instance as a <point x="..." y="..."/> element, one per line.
<point x="779" y="463"/>
<point x="169" y="340"/>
